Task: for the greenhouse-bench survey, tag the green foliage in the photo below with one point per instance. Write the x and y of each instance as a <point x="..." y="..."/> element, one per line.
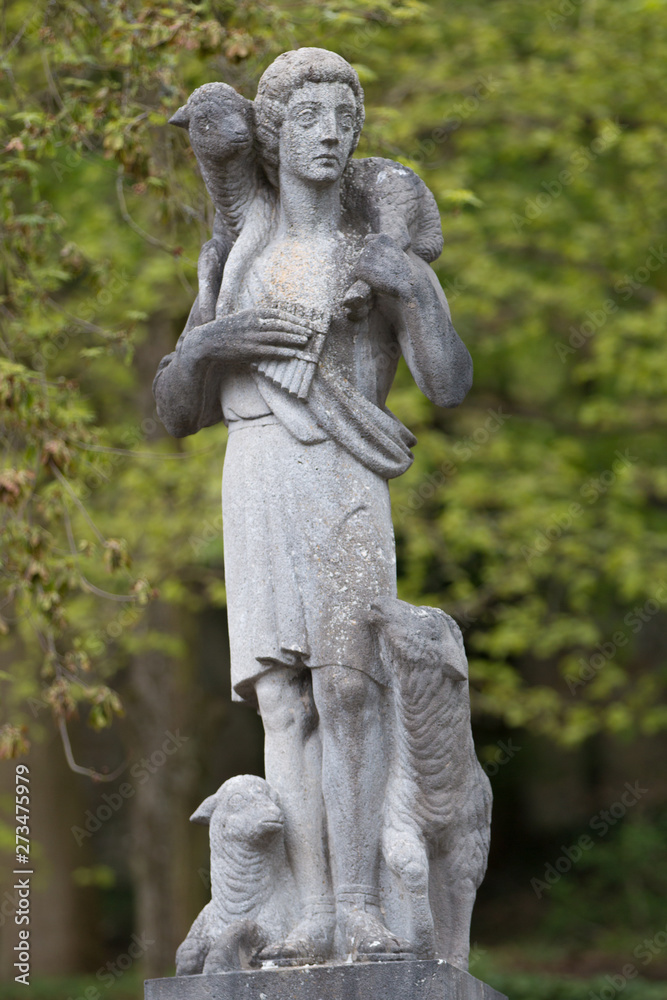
<point x="618" y="895"/>
<point x="530" y="986"/>
<point x="128" y="987"/>
<point x="535" y="513"/>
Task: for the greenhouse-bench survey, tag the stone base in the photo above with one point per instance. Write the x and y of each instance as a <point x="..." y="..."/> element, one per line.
<point x="362" y="981"/>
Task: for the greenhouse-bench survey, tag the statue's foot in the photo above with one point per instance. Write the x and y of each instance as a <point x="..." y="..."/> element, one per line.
<point x="366" y="939"/>
<point x="311" y="941"/>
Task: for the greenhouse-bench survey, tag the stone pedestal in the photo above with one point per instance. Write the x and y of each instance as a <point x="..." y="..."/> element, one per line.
<point x="362" y="981"/>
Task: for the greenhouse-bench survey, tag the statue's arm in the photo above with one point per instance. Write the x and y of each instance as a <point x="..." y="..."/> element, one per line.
<point x="187" y="384"/>
<point x="416" y="305"/>
<point x="188" y="381"/>
<point x="435" y="354"/>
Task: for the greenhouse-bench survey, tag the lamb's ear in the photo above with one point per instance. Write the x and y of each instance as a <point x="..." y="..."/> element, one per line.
<point x="181" y="118"/>
<point x="204" y="812"/>
<point x="380" y="610"/>
<point x="456" y="664"/>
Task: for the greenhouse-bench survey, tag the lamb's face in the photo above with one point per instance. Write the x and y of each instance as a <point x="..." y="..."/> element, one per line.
<point x="246" y="809"/>
<point x="419" y="637"/>
<point x="219" y="122"/>
<point x="255" y="818"/>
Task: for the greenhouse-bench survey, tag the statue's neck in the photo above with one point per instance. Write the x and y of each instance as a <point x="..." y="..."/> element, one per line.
<point x="307" y="209"/>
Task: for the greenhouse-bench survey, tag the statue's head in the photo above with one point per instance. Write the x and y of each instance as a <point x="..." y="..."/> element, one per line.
<point x="309" y="112"/>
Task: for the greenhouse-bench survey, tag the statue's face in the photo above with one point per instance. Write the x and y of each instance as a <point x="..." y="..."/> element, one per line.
<point x="318" y="132"/>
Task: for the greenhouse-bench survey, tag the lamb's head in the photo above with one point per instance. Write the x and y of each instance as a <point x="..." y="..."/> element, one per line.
<point x="219" y="122"/>
<point x="419" y="637"/>
<point x="244" y="809"/>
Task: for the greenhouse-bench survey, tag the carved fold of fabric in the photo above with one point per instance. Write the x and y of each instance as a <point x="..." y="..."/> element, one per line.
<point x="308" y="546"/>
<point x="335" y="409"/>
<point x="267" y="622"/>
<point x="375" y="437"/>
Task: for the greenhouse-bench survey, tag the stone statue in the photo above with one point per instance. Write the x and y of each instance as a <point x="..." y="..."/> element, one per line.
<point x="314" y="283"/>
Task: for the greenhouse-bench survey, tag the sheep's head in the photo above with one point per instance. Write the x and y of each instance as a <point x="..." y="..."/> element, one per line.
<point x="218" y="120"/>
<point x="419" y="637"/>
<point x="245" y="808"/>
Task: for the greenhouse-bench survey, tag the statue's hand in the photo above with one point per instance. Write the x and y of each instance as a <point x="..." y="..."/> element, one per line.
<point x="251" y="335"/>
<point x="385" y="267"/>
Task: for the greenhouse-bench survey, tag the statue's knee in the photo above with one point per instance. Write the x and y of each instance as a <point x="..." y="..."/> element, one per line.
<point x="353" y="691"/>
<point x="284" y="704"/>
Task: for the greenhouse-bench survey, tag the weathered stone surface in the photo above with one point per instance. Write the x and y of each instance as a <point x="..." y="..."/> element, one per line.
<point x="314" y="283"/>
<point x="363" y="981"/>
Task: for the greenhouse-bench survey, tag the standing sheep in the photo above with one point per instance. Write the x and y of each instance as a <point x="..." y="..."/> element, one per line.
<point x="438" y="801"/>
<point x="251" y="889"/>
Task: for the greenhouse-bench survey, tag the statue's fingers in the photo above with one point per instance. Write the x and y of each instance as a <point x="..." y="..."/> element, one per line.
<point x="277" y="352"/>
<point x="284" y="338"/>
<point x="284" y="326"/>
<point x="281" y="316"/>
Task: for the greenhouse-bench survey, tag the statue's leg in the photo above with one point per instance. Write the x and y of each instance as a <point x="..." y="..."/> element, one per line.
<point x="293" y="765"/>
<point x="353" y="780"/>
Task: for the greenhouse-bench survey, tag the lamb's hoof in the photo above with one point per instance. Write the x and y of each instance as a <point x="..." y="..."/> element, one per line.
<point x="366" y="939"/>
<point x="191" y="956"/>
<point x="310" y="943"/>
<point x="358" y="301"/>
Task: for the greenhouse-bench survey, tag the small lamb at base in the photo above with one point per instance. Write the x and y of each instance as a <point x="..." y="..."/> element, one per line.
<point x="438" y="802"/>
<point x="250" y="880"/>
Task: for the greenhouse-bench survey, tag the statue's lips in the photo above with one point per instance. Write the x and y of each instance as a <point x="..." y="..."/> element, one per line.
<point x="330" y="157"/>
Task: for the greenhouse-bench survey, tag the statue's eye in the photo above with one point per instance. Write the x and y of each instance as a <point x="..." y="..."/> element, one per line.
<point x="346" y="119"/>
<point x="307" y="117"/>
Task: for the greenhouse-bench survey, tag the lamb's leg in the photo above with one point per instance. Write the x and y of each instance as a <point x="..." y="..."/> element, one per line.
<point x="235" y="948"/>
<point x="210" y="265"/>
<point x="191" y="955"/>
<point x="452" y="900"/>
<point x="406" y="855"/>
<point x="192" y="952"/>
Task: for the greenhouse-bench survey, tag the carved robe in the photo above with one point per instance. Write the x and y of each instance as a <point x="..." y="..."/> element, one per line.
<point x="308" y="535"/>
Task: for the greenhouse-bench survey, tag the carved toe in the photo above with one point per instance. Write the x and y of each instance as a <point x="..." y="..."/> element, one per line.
<point x="367" y="939"/>
<point x="310" y="941"/>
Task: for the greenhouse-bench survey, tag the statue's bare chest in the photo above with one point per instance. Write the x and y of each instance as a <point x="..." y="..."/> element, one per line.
<point x="311" y="272"/>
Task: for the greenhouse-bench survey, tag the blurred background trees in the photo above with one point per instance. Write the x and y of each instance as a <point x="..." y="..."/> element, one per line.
<point x="535" y="513"/>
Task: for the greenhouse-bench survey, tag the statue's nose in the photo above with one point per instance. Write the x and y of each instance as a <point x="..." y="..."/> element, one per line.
<point x="328" y="129"/>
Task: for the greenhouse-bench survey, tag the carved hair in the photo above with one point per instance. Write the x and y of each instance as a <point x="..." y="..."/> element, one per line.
<point x="288" y="73"/>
